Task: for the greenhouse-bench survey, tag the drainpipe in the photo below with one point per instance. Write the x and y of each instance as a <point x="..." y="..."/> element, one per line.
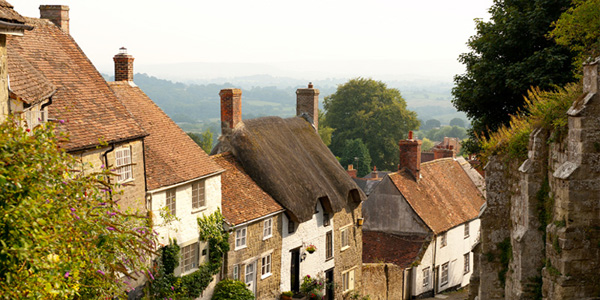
<point x="435" y="287"/>
<point x="112" y="148"/>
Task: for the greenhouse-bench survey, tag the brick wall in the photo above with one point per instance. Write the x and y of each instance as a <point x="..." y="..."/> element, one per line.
<point x="307" y="101"/>
<point x="231" y="108"/>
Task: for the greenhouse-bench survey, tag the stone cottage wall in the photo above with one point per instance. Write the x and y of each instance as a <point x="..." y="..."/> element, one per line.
<point x="382" y="281"/>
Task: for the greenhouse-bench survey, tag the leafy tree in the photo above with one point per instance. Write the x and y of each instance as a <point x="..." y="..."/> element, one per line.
<point x="432" y="123"/>
<point x="427" y="144"/>
<point x="438" y="134"/>
<point x="62" y="235"/>
<point x="356" y="153"/>
<point x="204" y="140"/>
<point x="457" y="122"/>
<point x="366" y="109"/>
<point x="232" y="290"/>
<point x="324" y="131"/>
<point x="509" y="54"/>
<point x="577" y="28"/>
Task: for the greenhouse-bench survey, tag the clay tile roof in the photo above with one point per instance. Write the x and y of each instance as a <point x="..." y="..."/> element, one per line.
<point x="170" y="155"/>
<point x="242" y="199"/>
<point x="401" y="250"/>
<point x="7" y="13"/>
<point x="92" y="112"/>
<point x="444" y="197"/>
<point x="26" y="82"/>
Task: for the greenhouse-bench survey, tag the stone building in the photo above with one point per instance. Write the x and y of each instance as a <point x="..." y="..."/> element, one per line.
<point x="255" y="220"/>
<point x="53" y="80"/>
<point x="434" y="205"/>
<point x="288" y="160"/>
<point x="540" y="233"/>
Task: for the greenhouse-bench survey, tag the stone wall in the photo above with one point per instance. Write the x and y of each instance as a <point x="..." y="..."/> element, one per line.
<point x="382" y="281"/>
<point x="351" y="257"/>
<point x="545" y="212"/>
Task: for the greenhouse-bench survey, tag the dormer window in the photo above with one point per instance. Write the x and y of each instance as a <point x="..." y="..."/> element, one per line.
<point x="325" y="219"/>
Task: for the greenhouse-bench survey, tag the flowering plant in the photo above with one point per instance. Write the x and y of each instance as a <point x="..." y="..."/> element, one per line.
<point x="313" y="286"/>
<point x="311" y="248"/>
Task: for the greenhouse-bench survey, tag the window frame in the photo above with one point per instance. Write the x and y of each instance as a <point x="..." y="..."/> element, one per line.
<point x="190" y="258"/>
<point x="467" y="263"/>
<point x="199" y="194"/>
<point x="124" y="164"/>
<point x="348" y="280"/>
<point x="443" y="240"/>
<point x="235" y="272"/>
<point x="426" y="275"/>
<point x="444" y="273"/>
<point x="241" y="238"/>
<point x="171" y="196"/>
<point x="267" y="228"/>
<point x="266" y="267"/>
<point x="345" y="237"/>
<point x="329" y="245"/>
<point x="467" y="233"/>
<point x="326" y="219"/>
<point x="291" y="226"/>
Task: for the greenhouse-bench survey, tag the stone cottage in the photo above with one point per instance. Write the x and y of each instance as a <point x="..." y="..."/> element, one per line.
<point x="288" y="160"/>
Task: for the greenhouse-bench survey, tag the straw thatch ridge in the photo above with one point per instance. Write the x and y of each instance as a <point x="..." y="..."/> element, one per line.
<point x="287" y="158"/>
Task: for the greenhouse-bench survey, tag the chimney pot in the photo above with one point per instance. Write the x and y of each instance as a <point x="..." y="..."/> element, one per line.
<point x="231" y="109"/>
<point x="351" y="171"/>
<point x="410" y="155"/>
<point x="307" y="102"/>
<point x="57" y="14"/>
<point x="410" y="135"/>
<point x="123" y="65"/>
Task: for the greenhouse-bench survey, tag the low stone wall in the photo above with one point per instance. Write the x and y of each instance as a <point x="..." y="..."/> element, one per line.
<point x="382" y="281"/>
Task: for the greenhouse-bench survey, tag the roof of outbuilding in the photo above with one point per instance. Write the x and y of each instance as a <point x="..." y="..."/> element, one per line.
<point x="92" y="112"/>
<point x="444" y="196"/>
<point x="242" y="199"/>
<point x="170" y="155"/>
<point x="401" y="250"/>
<point x="26" y="82"/>
<point x="288" y="160"/>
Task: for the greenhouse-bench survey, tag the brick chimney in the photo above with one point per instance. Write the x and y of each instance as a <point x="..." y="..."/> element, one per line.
<point x="351" y="171"/>
<point x="307" y="102"/>
<point x="123" y="65"/>
<point x="231" y="109"/>
<point x="410" y="155"/>
<point x="375" y="173"/>
<point x="58" y="14"/>
<point x="443" y="152"/>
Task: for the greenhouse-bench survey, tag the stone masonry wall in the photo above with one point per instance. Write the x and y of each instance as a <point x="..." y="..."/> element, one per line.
<point x="382" y="281"/>
<point x="350" y="258"/>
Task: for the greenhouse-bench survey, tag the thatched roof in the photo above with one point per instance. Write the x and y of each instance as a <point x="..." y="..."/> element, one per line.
<point x="288" y="160"/>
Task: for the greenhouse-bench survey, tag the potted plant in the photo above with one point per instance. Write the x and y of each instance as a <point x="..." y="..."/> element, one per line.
<point x="313" y="287"/>
<point x="311" y="248"/>
<point x="287" y="295"/>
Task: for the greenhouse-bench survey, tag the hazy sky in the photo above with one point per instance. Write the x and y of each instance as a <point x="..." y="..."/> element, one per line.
<point x="325" y="38"/>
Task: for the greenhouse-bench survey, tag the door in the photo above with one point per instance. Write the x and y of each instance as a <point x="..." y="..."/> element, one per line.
<point x="329" y="293"/>
<point x="436" y="276"/>
<point x="295" y="270"/>
<point x="251" y="276"/>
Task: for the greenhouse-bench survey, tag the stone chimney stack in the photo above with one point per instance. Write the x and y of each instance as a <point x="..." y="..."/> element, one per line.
<point x="351" y="171"/>
<point x="123" y="65"/>
<point x="410" y="155"/>
<point x="590" y="76"/>
<point x="307" y="102"/>
<point x="231" y="109"/>
<point x="58" y="14"/>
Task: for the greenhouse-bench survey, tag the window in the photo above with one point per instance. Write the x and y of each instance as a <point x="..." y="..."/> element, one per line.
<point x="123" y="162"/>
<point x="426" y="277"/>
<point x="266" y="266"/>
<point x="329" y="245"/>
<point x="240" y="238"/>
<point x="345" y="237"/>
<point x="466" y="230"/>
<point x="189" y="257"/>
<point x="171" y="202"/>
<point x="325" y="219"/>
<point x="198" y="196"/>
<point x="291" y="226"/>
<point x="268" y="229"/>
<point x="35" y="117"/>
<point x="348" y="280"/>
<point x="443" y="240"/>
<point x="236" y="272"/>
<point x="444" y="274"/>
<point x="467" y="262"/>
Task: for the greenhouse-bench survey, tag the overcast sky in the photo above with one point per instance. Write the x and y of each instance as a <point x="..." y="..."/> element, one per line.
<point x="326" y="38"/>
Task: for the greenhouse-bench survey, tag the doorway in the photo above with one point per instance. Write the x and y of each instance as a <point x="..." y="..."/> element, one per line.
<point x="251" y="276"/>
<point x="330" y="289"/>
<point x="295" y="270"/>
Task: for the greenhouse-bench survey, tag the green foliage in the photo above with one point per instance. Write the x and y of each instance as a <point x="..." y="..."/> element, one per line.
<point x="325" y="132"/>
<point x="61" y="233"/>
<point x="577" y="28"/>
<point x="430" y="124"/>
<point x="288" y="293"/>
<point x="438" y="134"/>
<point x="170" y="257"/>
<point x="427" y="144"/>
<point x="355" y="295"/>
<point x="458" y="122"/>
<point x="232" y="290"/>
<point x="366" y="109"/>
<point x="356" y="153"/>
<point x="509" y="54"/>
<point x="313" y="286"/>
<point x="204" y="140"/>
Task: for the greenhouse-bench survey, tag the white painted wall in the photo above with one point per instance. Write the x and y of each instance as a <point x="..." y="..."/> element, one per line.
<point x="453" y="253"/>
<point x="309" y="232"/>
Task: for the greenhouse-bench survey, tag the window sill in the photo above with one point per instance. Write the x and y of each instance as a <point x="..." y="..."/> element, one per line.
<point x="240" y="248"/>
<point x="329" y="258"/>
<point x="344" y="248"/>
<point x="188" y="272"/>
<point x="267" y="237"/>
<point x="199" y="209"/>
<point x="125" y="181"/>
<point x="266" y="276"/>
<point x="467" y="236"/>
<point x="444" y="283"/>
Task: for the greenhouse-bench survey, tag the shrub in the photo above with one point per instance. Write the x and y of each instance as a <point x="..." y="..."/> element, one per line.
<point x="232" y="290"/>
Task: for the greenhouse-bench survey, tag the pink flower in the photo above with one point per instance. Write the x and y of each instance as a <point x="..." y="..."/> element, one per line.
<point x="100" y="271"/>
<point x="67" y="274"/>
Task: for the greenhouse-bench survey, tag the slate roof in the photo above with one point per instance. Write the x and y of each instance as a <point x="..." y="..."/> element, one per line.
<point x="26" y="82"/>
<point x="444" y="196"/>
<point x="242" y="199"/>
<point x="92" y="112"/>
<point x="170" y="155"/>
<point x="366" y="185"/>
<point x="288" y="160"/>
<point x="401" y="250"/>
<point x="7" y="14"/>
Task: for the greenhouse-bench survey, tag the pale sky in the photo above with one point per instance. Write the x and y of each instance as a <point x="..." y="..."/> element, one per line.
<point x="326" y="38"/>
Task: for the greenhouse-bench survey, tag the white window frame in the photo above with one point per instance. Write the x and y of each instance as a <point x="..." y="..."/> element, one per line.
<point x="266" y="262"/>
<point x="35" y="117"/>
<point x="426" y="274"/>
<point x="348" y="280"/>
<point x="467" y="264"/>
<point x="236" y="272"/>
<point x="444" y="277"/>
<point x="329" y="244"/>
<point x="123" y="164"/>
<point x="190" y="258"/>
<point x="267" y="228"/>
<point x="443" y="240"/>
<point x="171" y="201"/>
<point x="241" y="237"/>
<point x="467" y="230"/>
<point x="345" y="237"/>
<point x="199" y="194"/>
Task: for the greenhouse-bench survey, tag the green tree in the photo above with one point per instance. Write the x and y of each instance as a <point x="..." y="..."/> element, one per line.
<point x="432" y="123"/>
<point x="509" y="54"/>
<point x="325" y="132"/>
<point x="457" y="122"/>
<point x="356" y="153"/>
<point x="61" y="233"/>
<point x="204" y="140"/>
<point x="232" y="290"/>
<point x="366" y="109"/>
<point x="427" y="144"/>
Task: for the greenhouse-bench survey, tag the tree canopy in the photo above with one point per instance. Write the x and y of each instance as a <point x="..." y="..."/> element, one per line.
<point x="366" y="109"/>
<point x="509" y="54"/>
<point x="204" y="140"/>
<point x="356" y="153"/>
